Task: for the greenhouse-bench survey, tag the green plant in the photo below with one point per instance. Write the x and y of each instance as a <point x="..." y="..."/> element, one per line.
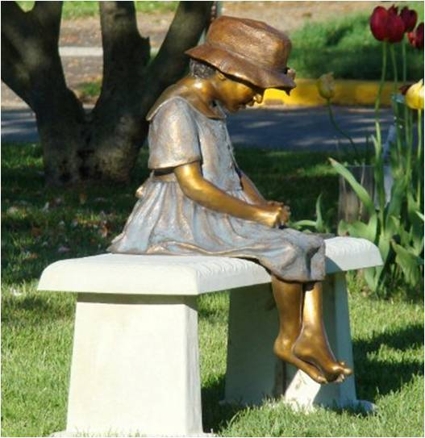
<point x="321" y="224"/>
<point x="395" y="225"/>
<point x="344" y="46"/>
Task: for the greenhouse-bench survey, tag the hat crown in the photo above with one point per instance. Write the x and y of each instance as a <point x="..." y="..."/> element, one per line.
<point x="249" y="50"/>
<point x="251" y="39"/>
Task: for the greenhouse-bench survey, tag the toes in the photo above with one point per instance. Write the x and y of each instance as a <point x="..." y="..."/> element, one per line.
<point x="320" y="379"/>
<point x="344" y="369"/>
<point x="347" y="371"/>
<point x="340" y="379"/>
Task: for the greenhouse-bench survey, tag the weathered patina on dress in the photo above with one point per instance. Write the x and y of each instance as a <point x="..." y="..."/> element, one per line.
<point x="165" y="221"/>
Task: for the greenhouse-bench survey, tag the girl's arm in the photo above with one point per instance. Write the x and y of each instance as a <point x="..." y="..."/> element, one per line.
<point x="250" y="189"/>
<point x="195" y="187"/>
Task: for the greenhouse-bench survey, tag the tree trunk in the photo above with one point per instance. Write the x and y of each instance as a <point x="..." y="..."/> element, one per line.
<point x="32" y="68"/>
<point x="104" y="144"/>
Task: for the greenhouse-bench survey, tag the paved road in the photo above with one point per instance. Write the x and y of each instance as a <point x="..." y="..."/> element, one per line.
<point x="299" y="129"/>
<point x="269" y="128"/>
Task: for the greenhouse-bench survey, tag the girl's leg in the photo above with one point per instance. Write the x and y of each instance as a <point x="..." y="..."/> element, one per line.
<point x="289" y="298"/>
<point x="312" y="345"/>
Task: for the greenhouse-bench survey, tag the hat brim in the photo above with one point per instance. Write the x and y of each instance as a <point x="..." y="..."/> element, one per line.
<point x="242" y="68"/>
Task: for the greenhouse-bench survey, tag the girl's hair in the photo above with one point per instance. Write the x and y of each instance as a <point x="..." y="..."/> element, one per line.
<point x="199" y="69"/>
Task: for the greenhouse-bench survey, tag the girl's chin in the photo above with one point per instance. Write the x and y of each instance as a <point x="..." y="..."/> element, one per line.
<point x="236" y="108"/>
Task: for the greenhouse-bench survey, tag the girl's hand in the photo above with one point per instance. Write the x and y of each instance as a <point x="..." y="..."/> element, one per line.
<point x="274" y="214"/>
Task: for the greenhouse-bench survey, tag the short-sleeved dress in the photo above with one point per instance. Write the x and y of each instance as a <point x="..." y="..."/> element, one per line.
<point x="165" y="221"/>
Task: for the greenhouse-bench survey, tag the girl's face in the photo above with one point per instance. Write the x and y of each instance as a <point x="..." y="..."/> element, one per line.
<point x="235" y="95"/>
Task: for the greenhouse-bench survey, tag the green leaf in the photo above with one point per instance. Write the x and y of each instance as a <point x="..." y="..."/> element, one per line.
<point x="360" y="229"/>
<point x="398" y="196"/>
<point x="303" y="223"/>
<point x="384" y="246"/>
<point x="372" y="277"/>
<point x="360" y="191"/>
<point x="409" y="264"/>
<point x="392" y="226"/>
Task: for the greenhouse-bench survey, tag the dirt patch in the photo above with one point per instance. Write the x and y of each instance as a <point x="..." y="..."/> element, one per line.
<point x="85" y="32"/>
<point x="288" y="16"/>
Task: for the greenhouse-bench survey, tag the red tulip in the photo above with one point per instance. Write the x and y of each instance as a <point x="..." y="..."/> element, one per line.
<point x="409" y="17"/>
<point x="386" y="24"/>
<point x="416" y="38"/>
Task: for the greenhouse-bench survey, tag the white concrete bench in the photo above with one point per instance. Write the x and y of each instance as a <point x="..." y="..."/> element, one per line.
<point x="135" y="364"/>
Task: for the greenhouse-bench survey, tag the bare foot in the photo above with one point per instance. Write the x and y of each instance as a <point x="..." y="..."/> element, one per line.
<point x="284" y="351"/>
<point x="315" y="350"/>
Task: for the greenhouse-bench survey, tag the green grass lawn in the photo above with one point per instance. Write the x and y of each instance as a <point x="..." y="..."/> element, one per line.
<point x="40" y="226"/>
<point x="82" y="9"/>
<point x="388" y="353"/>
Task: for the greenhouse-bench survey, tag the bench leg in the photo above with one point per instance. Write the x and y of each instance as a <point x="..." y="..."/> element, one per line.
<point x="135" y="366"/>
<point x="254" y="373"/>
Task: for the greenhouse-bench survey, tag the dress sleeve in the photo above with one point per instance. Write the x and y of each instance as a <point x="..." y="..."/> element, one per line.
<point x="173" y="136"/>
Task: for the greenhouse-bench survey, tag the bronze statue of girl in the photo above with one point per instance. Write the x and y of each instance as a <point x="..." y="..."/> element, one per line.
<point x="197" y="201"/>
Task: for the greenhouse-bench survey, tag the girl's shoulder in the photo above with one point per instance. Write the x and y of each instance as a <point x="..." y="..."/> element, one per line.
<point x="172" y="98"/>
<point x="180" y="97"/>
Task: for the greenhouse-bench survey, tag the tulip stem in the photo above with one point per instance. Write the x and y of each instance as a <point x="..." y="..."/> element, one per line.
<point x="404" y="73"/>
<point x="420" y="145"/>
<point x="336" y="126"/>
<point x="404" y="62"/>
<point x="378" y="96"/>
<point x="420" y="156"/>
<point x="379" y="162"/>
<point x="394" y="63"/>
<point x="408" y="138"/>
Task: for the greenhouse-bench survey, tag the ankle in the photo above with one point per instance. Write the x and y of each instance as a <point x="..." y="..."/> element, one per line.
<point x="312" y="332"/>
<point x="283" y="347"/>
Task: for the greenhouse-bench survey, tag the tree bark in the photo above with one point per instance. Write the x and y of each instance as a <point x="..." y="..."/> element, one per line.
<point x="31" y="48"/>
<point x="104" y="144"/>
<point x="116" y="133"/>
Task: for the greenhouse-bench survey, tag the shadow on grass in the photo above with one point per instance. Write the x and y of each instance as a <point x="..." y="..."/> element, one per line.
<point x="38" y="310"/>
<point x="373" y="377"/>
<point x="376" y="377"/>
<point x="216" y="415"/>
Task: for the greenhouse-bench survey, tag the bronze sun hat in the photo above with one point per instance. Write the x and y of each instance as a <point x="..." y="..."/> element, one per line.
<point x="247" y="49"/>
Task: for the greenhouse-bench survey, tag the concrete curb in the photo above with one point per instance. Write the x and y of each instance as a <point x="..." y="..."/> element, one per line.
<point x="347" y="93"/>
